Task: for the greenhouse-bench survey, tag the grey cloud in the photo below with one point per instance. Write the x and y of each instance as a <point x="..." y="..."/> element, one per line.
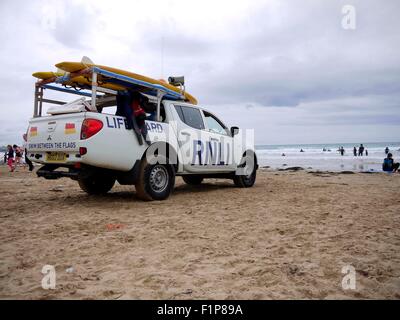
<point x="178" y="46"/>
<point x="309" y="58"/>
<point x="290" y="60"/>
<point x="74" y="28"/>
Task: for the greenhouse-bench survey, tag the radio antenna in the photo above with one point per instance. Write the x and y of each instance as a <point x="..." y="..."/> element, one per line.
<point x="162" y="57"/>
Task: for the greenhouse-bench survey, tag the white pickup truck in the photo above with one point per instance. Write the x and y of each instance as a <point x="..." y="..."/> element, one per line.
<point x="82" y="141"/>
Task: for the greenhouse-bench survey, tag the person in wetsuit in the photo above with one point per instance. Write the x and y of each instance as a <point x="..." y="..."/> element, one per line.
<point x="129" y="106"/>
<point x="361" y="150"/>
<point x="27" y="161"/>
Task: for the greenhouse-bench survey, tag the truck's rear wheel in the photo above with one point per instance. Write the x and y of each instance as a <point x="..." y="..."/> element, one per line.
<point x="192" y="180"/>
<point x="156" y="181"/>
<point x="96" y="183"/>
<point x="249" y="168"/>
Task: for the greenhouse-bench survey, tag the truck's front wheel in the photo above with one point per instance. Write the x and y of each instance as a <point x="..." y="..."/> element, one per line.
<point x="96" y="183"/>
<point x="245" y="176"/>
<point x="156" y="181"/>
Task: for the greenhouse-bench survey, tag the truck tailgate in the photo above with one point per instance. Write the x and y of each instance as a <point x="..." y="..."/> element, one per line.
<point x="55" y="139"/>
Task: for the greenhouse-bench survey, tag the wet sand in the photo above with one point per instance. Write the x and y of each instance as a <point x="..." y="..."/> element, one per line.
<point x="287" y="237"/>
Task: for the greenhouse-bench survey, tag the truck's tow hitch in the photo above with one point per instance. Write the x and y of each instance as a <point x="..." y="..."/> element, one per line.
<point x="49" y="172"/>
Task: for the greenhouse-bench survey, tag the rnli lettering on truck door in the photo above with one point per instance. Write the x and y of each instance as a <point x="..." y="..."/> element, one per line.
<point x="210" y="153"/>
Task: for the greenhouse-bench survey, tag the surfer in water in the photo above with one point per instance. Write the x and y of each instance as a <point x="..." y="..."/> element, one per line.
<point x="361" y="150"/>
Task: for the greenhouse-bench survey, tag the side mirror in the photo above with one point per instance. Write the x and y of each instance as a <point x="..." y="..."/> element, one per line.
<point x="234" y="131"/>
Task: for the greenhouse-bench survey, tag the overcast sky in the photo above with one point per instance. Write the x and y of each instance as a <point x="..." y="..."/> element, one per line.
<point x="288" y="69"/>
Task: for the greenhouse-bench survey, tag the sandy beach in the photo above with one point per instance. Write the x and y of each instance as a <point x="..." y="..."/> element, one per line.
<point x="287" y="237"/>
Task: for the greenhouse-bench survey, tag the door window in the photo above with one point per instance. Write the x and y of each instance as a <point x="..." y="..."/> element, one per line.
<point x="213" y="124"/>
<point x="191" y="116"/>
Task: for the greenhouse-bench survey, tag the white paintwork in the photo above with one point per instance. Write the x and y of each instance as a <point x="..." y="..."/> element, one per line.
<point x="115" y="147"/>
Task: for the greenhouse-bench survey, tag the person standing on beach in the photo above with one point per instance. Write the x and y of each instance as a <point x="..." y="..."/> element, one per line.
<point x="389" y="165"/>
<point x="27" y="161"/>
<point x="361" y="150"/>
<point x="10" y="157"/>
<point x="386" y="150"/>
<point x="341" y="150"/>
<point x="355" y="151"/>
<point x="366" y="152"/>
<point x="18" y="155"/>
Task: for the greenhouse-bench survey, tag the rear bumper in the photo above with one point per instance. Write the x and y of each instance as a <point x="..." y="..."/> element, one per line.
<point x="49" y="172"/>
<point x="72" y="157"/>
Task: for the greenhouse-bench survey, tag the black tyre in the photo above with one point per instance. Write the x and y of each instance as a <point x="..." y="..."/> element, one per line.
<point x="156" y="181"/>
<point x="96" y="183"/>
<point x="248" y="168"/>
<point x="192" y="180"/>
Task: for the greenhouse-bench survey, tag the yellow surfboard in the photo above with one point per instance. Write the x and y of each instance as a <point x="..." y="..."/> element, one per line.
<point x="77" y="81"/>
<point x="43" y="75"/>
<point x="76" y="66"/>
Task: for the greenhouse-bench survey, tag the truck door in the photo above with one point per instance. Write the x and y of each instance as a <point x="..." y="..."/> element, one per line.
<point x="220" y="144"/>
<point x="191" y="136"/>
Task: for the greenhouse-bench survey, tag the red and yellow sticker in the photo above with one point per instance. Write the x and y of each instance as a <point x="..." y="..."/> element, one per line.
<point x="33" y="132"/>
<point x="70" y="128"/>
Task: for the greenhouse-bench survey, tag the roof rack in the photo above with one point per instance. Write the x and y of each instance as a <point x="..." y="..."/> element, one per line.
<point x="145" y="87"/>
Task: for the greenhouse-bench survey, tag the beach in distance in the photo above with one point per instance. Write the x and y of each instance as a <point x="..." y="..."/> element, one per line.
<point x="293" y="235"/>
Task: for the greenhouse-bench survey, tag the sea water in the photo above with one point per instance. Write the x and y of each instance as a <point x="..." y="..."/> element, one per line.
<point x="314" y="158"/>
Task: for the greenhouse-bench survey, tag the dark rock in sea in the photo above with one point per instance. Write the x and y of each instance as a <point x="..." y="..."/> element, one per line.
<point x="284" y="165"/>
<point x="346" y="172"/>
<point x="293" y="169"/>
<point x="266" y="167"/>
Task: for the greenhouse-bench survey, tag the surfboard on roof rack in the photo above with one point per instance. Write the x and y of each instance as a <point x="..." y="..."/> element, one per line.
<point x="126" y="79"/>
<point x="79" y="81"/>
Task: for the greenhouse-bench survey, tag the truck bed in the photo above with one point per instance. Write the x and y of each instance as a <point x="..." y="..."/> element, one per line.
<point x="57" y="140"/>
